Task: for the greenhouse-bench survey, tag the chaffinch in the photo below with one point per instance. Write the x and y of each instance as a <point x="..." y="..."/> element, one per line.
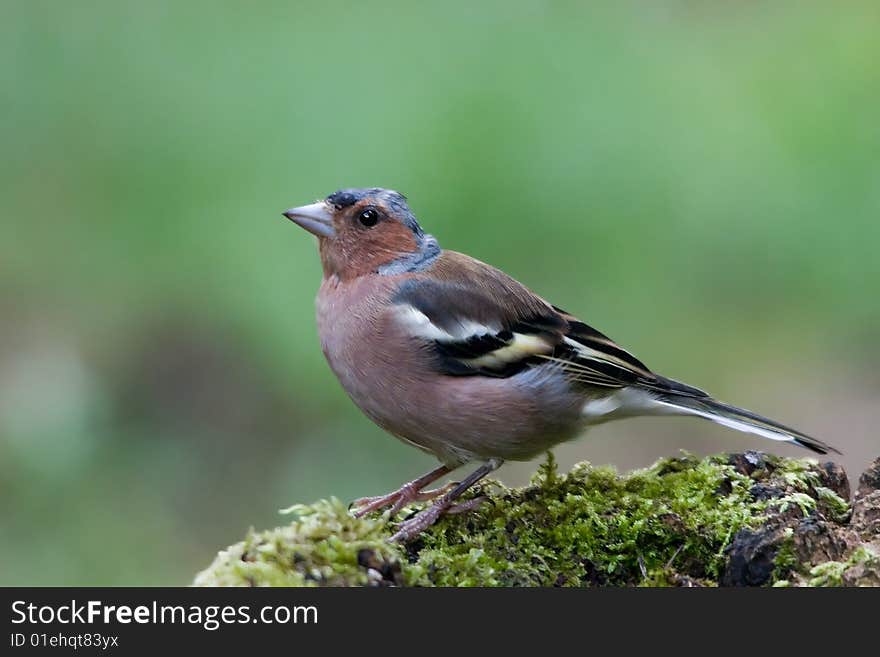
<point x="460" y="360"/>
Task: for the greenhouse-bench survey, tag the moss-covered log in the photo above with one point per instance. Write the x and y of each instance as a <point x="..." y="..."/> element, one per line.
<point x="742" y="519"/>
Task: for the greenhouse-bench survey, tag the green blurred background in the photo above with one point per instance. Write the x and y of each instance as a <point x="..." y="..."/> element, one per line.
<point x="699" y="180"/>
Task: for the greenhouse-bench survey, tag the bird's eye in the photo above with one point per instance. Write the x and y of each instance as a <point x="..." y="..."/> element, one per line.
<point x="368" y="217"/>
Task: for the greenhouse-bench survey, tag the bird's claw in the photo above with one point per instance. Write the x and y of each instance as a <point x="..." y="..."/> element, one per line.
<point x="409" y="529"/>
<point x="467" y="505"/>
<point x="406" y="494"/>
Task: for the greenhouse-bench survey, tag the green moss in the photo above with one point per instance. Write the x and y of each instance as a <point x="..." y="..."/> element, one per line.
<point x="324" y="545"/>
<point x="831" y="573"/>
<point x="803" y="501"/>
<point x="785" y="559"/>
<point x="665" y="525"/>
<point x="837" y="507"/>
<point x="592" y="526"/>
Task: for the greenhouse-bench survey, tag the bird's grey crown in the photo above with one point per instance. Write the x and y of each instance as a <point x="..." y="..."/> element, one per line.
<point x="394" y="201"/>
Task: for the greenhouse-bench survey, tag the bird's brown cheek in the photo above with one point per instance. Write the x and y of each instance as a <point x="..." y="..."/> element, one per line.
<point x="346" y="257"/>
<point x="356" y="253"/>
<point x="395" y="238"/>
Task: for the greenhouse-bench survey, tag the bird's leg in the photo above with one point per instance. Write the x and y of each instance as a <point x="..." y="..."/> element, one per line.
<point x="409" y="492"/>
<point x="416" y="525"/>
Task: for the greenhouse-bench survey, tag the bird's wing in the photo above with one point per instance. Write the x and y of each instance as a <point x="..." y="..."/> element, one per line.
<point x="596" y="350"/>
<point x="470" y="332"/>
<point x="477" y="321"/>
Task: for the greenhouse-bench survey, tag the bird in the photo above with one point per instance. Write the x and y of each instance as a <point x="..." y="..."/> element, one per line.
<point x="460" y="360"/>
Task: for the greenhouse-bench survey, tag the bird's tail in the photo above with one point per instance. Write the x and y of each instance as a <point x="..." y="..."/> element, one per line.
<point x="739" y="419"/>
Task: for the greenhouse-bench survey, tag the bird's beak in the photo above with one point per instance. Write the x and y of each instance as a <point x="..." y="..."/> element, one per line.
<point x="315" y="218"/>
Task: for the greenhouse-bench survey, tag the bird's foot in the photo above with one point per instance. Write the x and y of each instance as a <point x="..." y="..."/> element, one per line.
<point x="416" y="525"/>
<point x="467" y="505"/>
<point x="409" y="529"/>
<point x="406" y="494"/>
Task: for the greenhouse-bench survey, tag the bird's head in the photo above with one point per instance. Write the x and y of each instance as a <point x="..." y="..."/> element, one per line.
<point x="366" y="231"/>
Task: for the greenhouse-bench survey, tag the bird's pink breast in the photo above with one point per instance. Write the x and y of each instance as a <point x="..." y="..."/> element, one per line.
<point x="389" y="376"/>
